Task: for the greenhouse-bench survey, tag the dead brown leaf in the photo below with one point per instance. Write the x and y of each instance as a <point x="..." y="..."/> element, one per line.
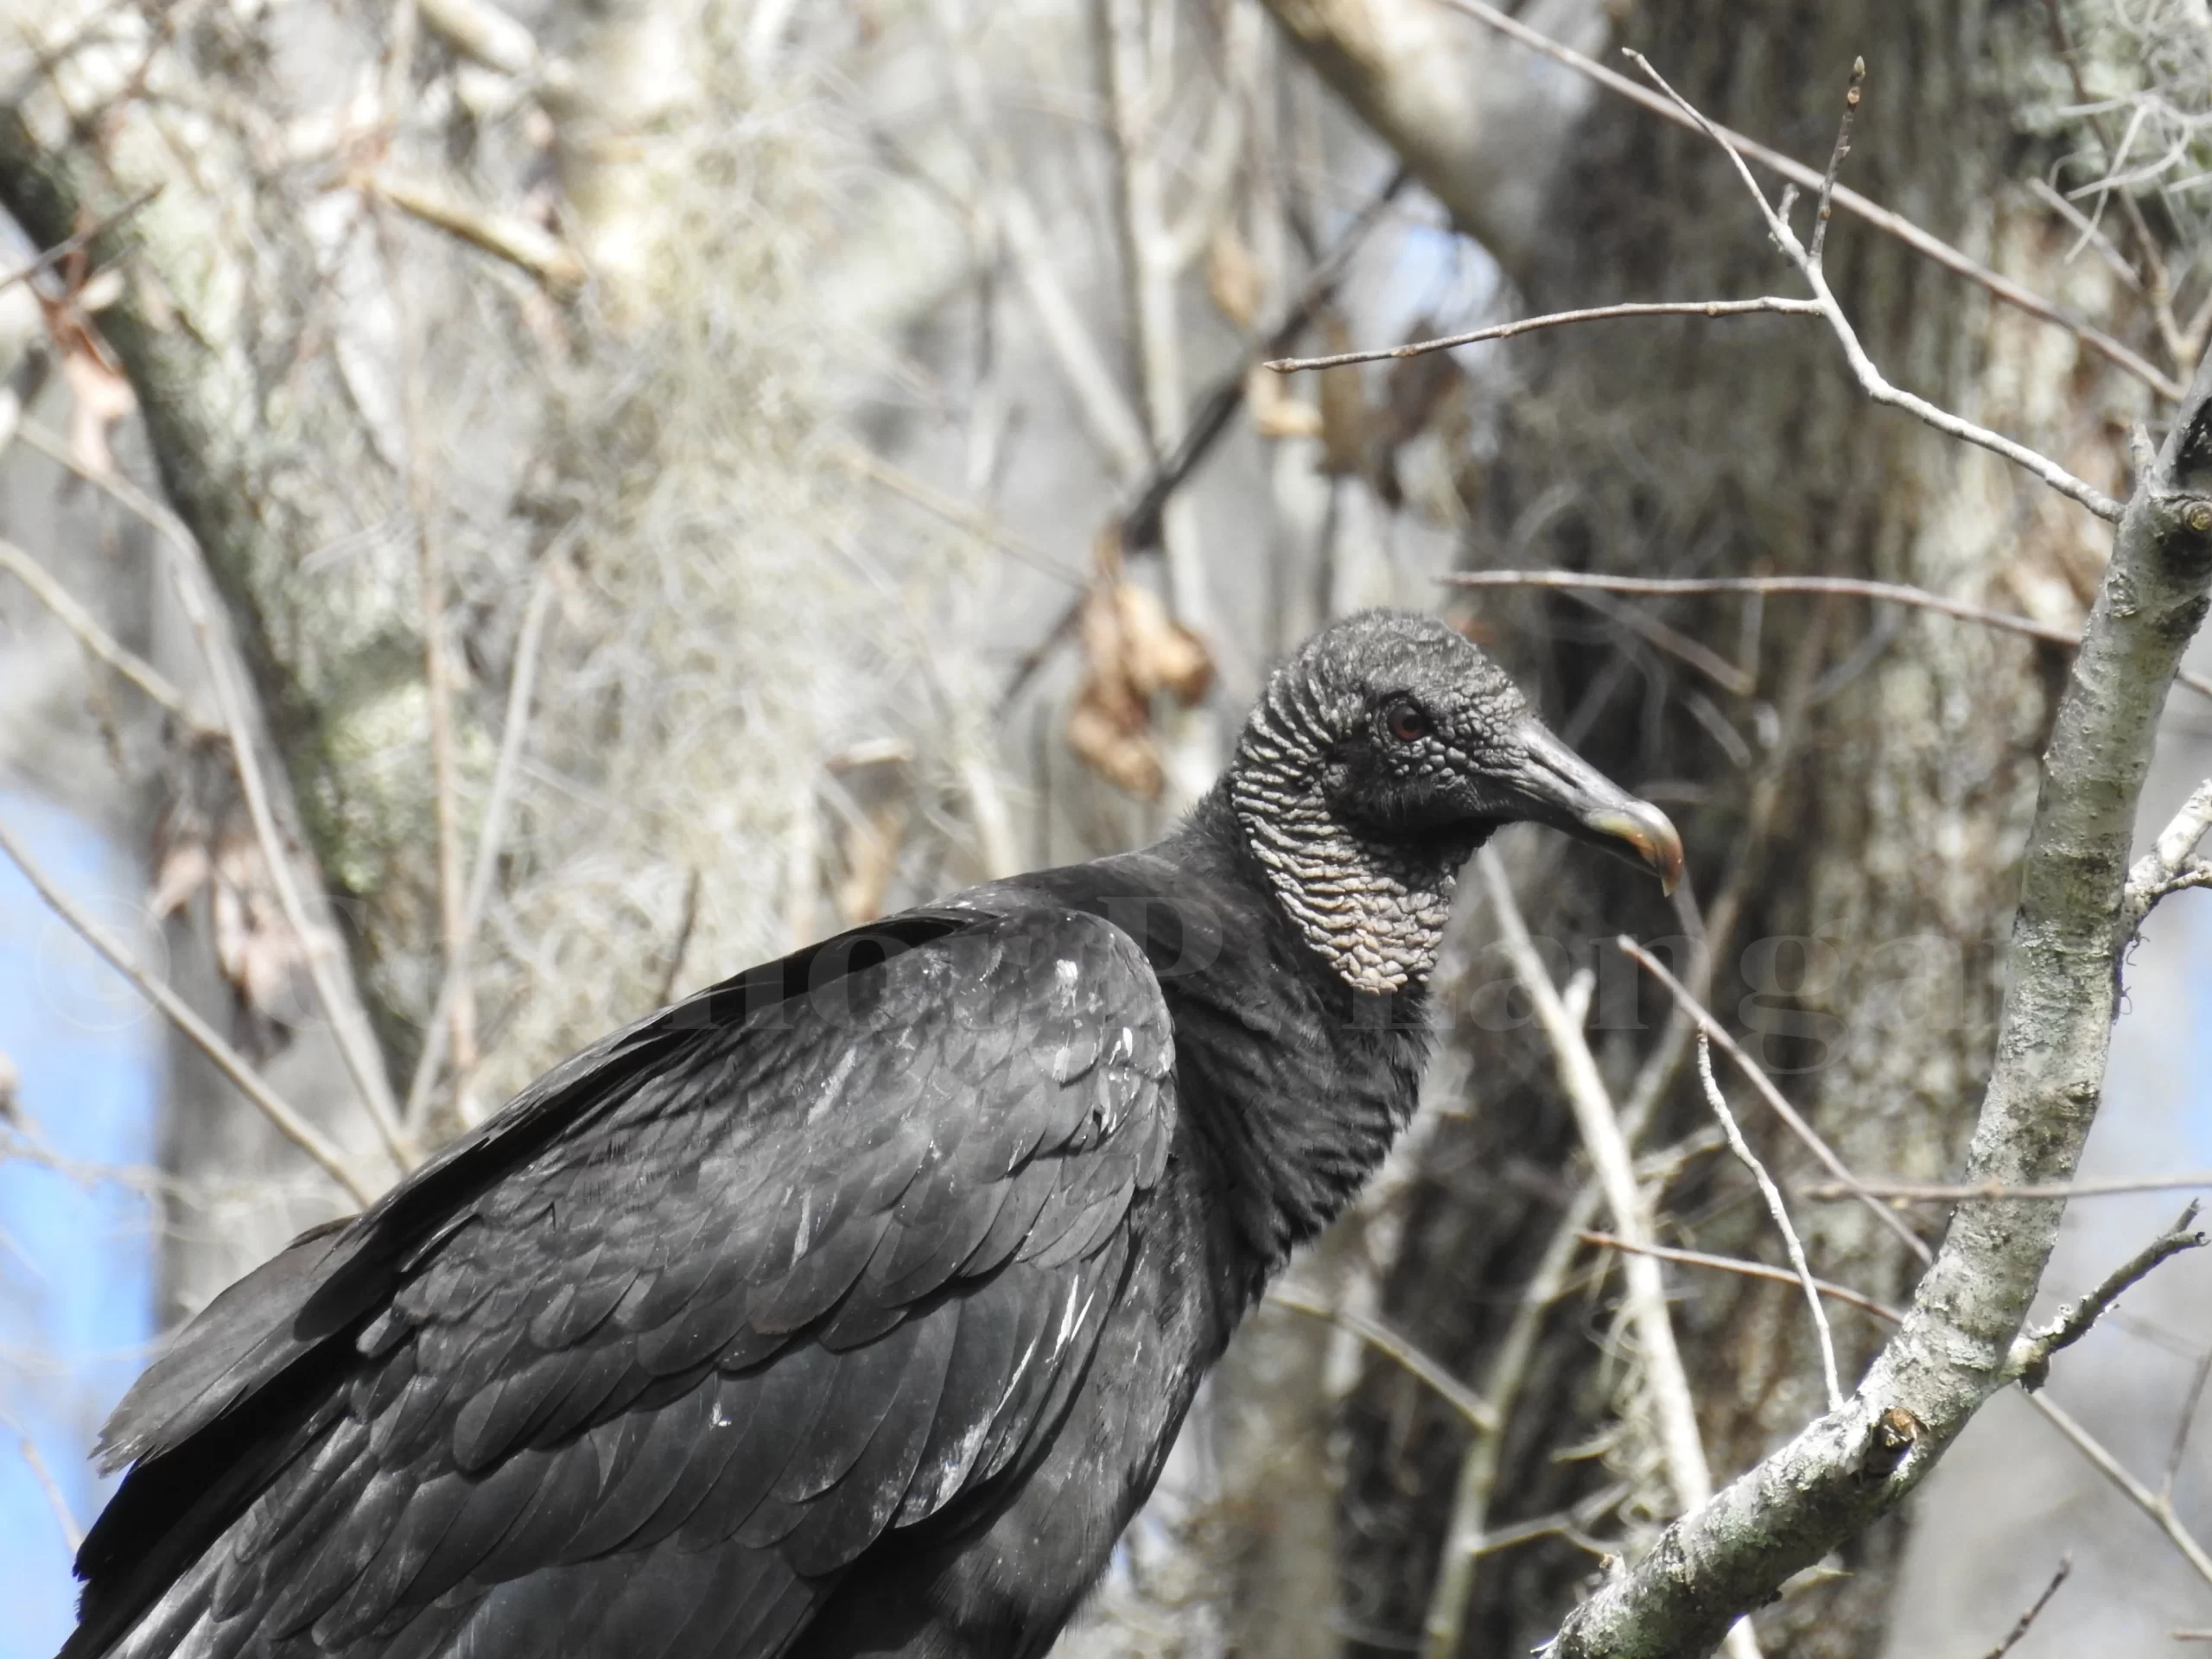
<point x="1133" y="652"/>
<point x="203" y="846"/>
<point x="871" y="855"/>
<point x="1345" y="413"/>
<point x="99" y="394"/>
<point x="1276" y="413"/>
<point x="99" y="397"/>
<point x="1233" y="280"/>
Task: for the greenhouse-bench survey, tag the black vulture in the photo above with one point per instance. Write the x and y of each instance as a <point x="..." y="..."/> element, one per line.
<point x="849" y="1306"/>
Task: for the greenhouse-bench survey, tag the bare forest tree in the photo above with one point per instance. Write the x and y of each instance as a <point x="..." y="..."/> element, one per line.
<point x="520" y="513"/>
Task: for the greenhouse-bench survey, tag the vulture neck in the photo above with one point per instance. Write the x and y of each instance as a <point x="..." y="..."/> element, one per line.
<point x="1375" y="914"/>
<point x="1296" y="1080"/>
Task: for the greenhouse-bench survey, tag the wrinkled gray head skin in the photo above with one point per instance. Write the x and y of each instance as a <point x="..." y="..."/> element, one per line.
<point x="1378" y="759"/>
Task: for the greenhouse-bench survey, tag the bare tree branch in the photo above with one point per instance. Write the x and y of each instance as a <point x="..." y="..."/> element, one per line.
<point x="1555" y="320"/>
<point x="491" y="836"/>
<point x="2031" y="1354"/>
<point x="458" y="995"/>
<point x="189" y="573"/>
<point x="2052" y="1048"/>
<point x="1779" y="1211"/>
<point x="2156" y="1505"/>
<point x="1482" y="134"/>
<point x="1746" y="1270"/>
<point x="482" y="33"/>
<point x="1777" y="1100"/>
<point x="1466" y="1532"/>
<point x="2167" y="868"/>
<point x="2184" y="1423"/>
<point x="1895" y="225"/>
<point x="504" y="236"/>
<point x="1870" y="378"/>
<point x="1478" y="1413"/>
<point x="84" y="238"/>
<point x="233" y="1065"/>
<point x="1959" y="1191"/>
<point x="1680" y="1442"/>
<point x="2035" y="1611"/>
<point x="71" y="1534"/>
<point x="1892" y="592"/>
<point x="97" y="640"/>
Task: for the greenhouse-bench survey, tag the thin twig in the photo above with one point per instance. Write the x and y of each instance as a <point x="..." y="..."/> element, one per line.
<point x="2158" y="1507"/>
<point x="2032" y="1351"/>
<point x="460" y="1007"/>
<point x="233" y="1065"/>
<point x="1825" y="204"/>
<point x="1471" y="1405"/>
<point x="2035" y="1611"/>
<point x="1895" y="225"/>
<point x="1777" y="1102"/>
<point x="1870" y="378"/>
<point x="2187" y="1420"/>
<point x="71" y="1534"/>
<point x="977" y="523"/>
<point x="1129" y="55"/>
<point x="2115" y="260"/>
<point x="84" y="238"/>
<point x="2166" y="867"/>
<point x="1896" y="1192"/>
<point x="1849" y="587"/>
<point x="188" y="569"/>
<point x="1466" y="1531"/>
<point x="491" y="834"/>
<point x="1680" y="1442"/>
<point x="1681" y="1448"/>
<point x="1552" y="319"/>
<point x="674" y="965"/>
<point x="1731" y="678"/>
<point x="355" y="1045"/>
<point x="1569" y="1523"/>
<point x="1139" y="525"/>
<point x="1735" y="1264"/>
<point x="1779" y="1211"/>
<point x="98" y="641"/>
<point x="2134" y="1491"/>
<point x="522" y="244"/>
<point x="1211" y="415"/>
<point x="2157" y="284"/>
<point x="1711" y="934"/>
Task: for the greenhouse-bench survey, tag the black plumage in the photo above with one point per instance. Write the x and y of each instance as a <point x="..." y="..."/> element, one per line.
<point x="849" y="1306"/>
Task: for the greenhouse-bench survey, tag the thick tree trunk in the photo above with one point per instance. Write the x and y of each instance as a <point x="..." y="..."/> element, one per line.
<point x="379" y="432"/>
<point x="1863" y="961"/>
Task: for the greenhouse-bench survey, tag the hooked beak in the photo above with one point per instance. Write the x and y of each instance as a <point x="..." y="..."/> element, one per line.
<point x="1560" y="788"/>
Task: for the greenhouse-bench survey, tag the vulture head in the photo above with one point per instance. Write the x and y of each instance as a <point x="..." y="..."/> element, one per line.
<point x="1378" y="759"/>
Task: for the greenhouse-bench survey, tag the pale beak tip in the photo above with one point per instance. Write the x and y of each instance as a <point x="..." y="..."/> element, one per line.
<point x="1651" y="833"/>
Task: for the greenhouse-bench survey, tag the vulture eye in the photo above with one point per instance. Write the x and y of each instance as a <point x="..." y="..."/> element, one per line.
<point x="1407" y="721"/>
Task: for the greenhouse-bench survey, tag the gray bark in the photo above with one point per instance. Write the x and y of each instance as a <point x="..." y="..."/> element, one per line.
<point x="1882" y="856"/>
<point x="1961" y="1340"/>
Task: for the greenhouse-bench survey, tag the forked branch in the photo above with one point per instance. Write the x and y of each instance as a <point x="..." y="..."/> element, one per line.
<point x="2053" y="1045"/>
<point x="1870" y="378"/>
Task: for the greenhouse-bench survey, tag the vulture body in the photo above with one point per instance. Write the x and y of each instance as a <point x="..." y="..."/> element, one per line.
<point x="851" y="1305"/>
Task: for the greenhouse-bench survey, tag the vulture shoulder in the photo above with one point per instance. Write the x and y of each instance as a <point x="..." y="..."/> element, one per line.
<point x="816" y="1255"/>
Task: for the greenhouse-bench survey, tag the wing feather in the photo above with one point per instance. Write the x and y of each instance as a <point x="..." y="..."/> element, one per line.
<point x="668" y="1346"/>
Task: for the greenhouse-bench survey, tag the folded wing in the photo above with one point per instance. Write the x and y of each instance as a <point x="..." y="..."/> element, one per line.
<point x="651" y="1360"/>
